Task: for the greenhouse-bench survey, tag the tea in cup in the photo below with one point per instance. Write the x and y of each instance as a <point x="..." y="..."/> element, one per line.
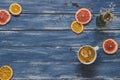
<point x="87" y="54"/>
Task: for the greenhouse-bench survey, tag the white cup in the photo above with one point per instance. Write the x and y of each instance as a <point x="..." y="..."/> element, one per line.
<point x="85" y="56"/>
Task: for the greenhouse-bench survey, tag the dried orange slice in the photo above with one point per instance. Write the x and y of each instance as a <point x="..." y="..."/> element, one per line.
<point x="76" y="27"/>
<point x="15" y="9"/>
<point x="6" y="73"/>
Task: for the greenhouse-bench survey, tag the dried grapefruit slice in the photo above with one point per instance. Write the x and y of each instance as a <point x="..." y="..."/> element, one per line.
<point x="83" y="16"/>
<point x="15" y="9"/>
<point x="6" y="73"/>
<point x="4" y="17"/>
<point x="76" y="27"/>
<point x="110" y="46"/>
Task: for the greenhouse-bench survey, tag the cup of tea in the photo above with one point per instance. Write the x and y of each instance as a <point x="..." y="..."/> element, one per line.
<point x="87" y="54"/>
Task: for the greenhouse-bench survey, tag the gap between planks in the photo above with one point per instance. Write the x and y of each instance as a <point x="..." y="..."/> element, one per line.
<point x="66" y="78"/>
<point x="29" y="30"/>
<point x="71" y="47"/>
<point x="67" y="13"/>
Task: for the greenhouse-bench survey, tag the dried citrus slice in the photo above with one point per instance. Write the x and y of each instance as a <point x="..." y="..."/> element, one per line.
<point x="76" y="27"/>
<point x="15" y="9"/>
<point x="6" y="73"/>
<point x="4" y="17"/>
<point x="110" y="46"/>
<point x="83" y="16"/>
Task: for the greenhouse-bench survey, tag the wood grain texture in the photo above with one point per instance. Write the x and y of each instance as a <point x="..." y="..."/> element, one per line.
<point x="63" y="6"/>
<point x="55" y="38"/>
<point x="39" y="44"/>
<point x="55" y="22"/>
<point x="57" y="63"/>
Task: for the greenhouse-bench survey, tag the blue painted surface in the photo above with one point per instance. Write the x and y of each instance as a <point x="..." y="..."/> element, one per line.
<point x="39" y="44"/>
<point x="53" y="22"/>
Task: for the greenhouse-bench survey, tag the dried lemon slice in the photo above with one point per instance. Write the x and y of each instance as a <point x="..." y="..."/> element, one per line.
<point x="6" y="73"/>
<point x="76" y="27"/>
<point x="15" y="9"/>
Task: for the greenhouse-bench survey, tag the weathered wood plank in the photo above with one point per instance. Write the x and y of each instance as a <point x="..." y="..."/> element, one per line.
<point x="56" y="6"/>
<point x="39" y="44"/>
<point x="55" y="38"/>
<point x="54" y="22"/>
<point x="36" y="54"/>
<point x="49" y="55"/>
<point x="57" y="63"/>
<point x="66" y="71"/>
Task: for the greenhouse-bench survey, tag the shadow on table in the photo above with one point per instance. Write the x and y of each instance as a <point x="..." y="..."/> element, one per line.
<point x="102" y="32"/>
<point x="87" y="71"/>
<point x="100" y="23"/>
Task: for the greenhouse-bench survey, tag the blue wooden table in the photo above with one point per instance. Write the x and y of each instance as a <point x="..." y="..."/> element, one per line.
<point x="39" y="43"/>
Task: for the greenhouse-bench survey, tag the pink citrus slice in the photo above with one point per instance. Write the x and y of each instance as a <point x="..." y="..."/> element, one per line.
<point x="4" y="17"/>
<point x="110" y="46"/>
<point x="83" y="16"/>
